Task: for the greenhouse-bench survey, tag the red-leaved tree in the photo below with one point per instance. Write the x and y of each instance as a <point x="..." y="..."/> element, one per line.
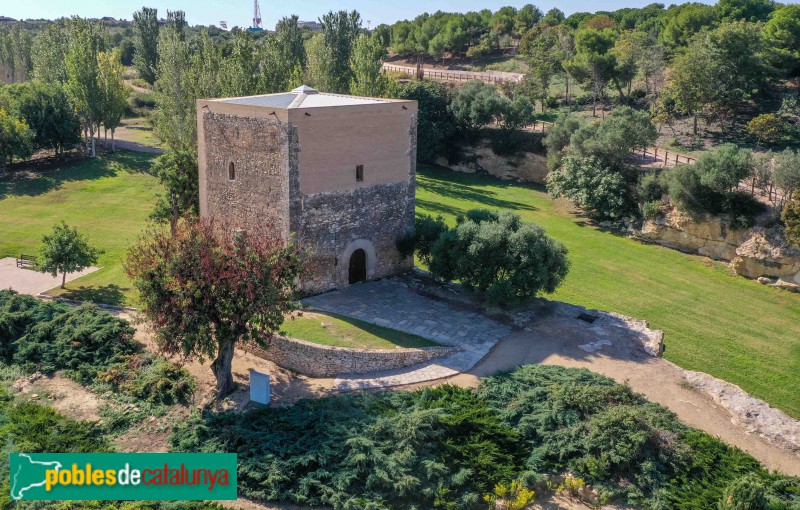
<point x="206" y="287"/>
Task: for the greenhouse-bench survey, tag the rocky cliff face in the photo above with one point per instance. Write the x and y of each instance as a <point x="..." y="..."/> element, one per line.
<point x="522" y="167"/>
<point x="755" y="253"/>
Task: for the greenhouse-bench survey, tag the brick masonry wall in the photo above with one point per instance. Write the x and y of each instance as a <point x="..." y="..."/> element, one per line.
<point x="259" y="150"/>
<point x="325" y="361"/>
<point x="328" y="222"/>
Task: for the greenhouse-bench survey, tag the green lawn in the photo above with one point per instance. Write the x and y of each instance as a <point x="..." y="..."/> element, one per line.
<point x="338" y="331"/>
<point x="715" y="321"/>
<point x="138" y="130"/>
<point x="108" y="199"/>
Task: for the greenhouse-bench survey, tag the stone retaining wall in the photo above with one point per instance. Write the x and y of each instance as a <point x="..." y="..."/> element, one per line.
<point x="325" y="361"/>
<point x="521" y="167"/>
<point x="753" y="253"/>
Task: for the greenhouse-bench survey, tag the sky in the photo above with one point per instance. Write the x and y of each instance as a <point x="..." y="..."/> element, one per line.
<point x="240" y="12"/>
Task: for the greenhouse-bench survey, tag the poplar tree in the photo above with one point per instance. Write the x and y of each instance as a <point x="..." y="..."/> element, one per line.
<point x="367" y="67"/>
<point x="113" y="93"/>
<point x="145" y="42"/>
<point x="174" y="116"/>
<point x="86" y="41"/>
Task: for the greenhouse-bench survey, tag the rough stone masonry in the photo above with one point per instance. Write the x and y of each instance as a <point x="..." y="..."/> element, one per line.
<point x="337" y="172"/>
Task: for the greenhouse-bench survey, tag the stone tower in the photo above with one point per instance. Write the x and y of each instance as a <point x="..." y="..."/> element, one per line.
<point x="336" y="171"/>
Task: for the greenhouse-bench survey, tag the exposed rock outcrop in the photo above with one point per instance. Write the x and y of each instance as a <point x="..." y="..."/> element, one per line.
<point x="755" y="252"/>
<point x="522" y="167"/>
<point x="775" y="426"/>
<point x="766" y="253"/>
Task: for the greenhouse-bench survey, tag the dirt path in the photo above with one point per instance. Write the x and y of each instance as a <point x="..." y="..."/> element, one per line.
<point x="659" y="380"/>
<point x="551" y="341"/>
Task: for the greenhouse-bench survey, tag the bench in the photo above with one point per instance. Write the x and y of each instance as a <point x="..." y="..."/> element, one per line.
<point x="26" y="261"/>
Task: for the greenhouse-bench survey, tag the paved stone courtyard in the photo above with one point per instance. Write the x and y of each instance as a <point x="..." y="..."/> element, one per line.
<point x="28" y="281"/>
<point x="393" y="306"/>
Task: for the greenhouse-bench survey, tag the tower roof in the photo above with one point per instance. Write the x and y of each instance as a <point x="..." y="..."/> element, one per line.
<point x="302" y="97"/>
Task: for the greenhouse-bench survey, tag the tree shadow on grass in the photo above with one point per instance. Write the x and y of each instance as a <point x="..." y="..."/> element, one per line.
<point x="467" y="187"/>
<point x="111" y="294"/>
<point x="30" y="179"/>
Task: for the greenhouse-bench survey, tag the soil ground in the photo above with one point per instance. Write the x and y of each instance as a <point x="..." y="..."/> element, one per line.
<point x="551" y="341"/>
<point x="64" y="395"/>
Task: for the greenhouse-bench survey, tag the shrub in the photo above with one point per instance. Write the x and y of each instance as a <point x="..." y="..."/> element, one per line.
<point x="450" y="447"/>
<point x="689" y="191"/>
<point x="593" y="186"/>
<point x="651" y="209"/>
<point x="787" y="172"/>
<point x="151" y="379"/>
<point x="652" y="186"/>
<point x="80" y="340"/>
<point x="433" y="448"/>
<point x="427" y="230"/>
<point x="790" y="217"/>
<point x="90" y="345"/>
<point x="18" y="312"/>
<point x="557" y="138"/>
<point x="435" y="125"/>
<point x="767" y="128"/>
<point x="723" y="170"/>
<point x="500" y="255"/>
<point x="144" y="100"/>
<point x="616" y="138"/>
<point x="405" y="244"/>
<point x="746" y="493"/>
<point x="474" y="106"/>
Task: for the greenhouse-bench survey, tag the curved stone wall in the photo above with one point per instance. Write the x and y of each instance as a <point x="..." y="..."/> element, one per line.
<point x="325" y="361"/>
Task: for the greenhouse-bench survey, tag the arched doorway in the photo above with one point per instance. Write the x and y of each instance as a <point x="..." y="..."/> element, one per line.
<point x="358" y="267"/>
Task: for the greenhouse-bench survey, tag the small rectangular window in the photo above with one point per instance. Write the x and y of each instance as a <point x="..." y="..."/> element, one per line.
<point x="359" y="173"/>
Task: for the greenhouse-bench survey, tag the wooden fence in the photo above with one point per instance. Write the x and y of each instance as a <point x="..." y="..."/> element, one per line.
<point x="648" y="156"/>
<point x="459" y="76"/>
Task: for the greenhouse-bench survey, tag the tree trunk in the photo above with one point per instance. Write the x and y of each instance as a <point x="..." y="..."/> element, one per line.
<point x="695" y="124"/>
<point x="222" y="370"/>
<point x="619" y="90"/>
<point x="63" y="279"/>
<point x="174" y="222"/>
<point x="91" y="135"/>
<point x="113" y="145"/>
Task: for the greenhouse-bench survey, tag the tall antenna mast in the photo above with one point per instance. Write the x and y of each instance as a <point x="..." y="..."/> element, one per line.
<point x="256" y="15"/>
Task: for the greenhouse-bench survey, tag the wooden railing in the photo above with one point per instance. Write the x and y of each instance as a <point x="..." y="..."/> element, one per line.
<point x="649" y="155"/>
<point x="459" y="76"/>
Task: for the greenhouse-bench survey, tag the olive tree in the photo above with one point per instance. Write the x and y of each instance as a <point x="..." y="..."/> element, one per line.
<point x="499" y="255"/>
<point x="787" y="172"/>
<point x="592" y="185"/>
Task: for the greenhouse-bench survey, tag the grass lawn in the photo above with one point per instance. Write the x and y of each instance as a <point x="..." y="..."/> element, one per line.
<point x="341" y="331"/>
<point x="138" y="130"/>
<point x="715" y="321"/>
<point x="108" y="199"/>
